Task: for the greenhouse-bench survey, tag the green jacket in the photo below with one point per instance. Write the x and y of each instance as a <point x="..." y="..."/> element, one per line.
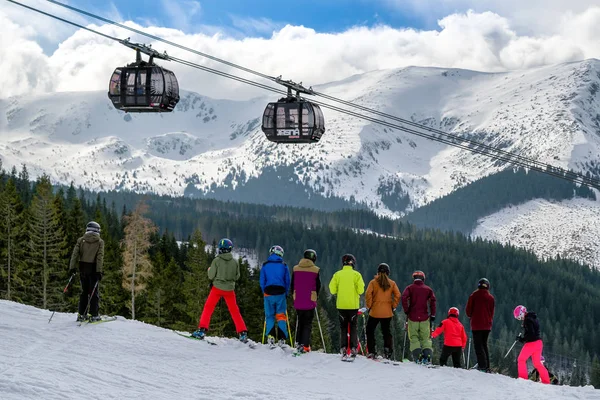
<point x="224" y="272"/>
<point x="88" y="252"/>
<point x="348" y="285"/>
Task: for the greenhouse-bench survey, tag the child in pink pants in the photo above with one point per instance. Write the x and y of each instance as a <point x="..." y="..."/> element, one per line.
<point x="533" y="344"/>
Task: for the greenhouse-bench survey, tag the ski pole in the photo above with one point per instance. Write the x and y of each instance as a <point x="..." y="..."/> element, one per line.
<point x="264" y="331"/>
<point x="511" y="347"/>
<point x="463" y="358"/>
<point x="405" y="335"/>
<point x="320" y="330"/>
<point x="287" y="319"/>
<point x="87" y="309"/>
<point x="364" y="335"/>
<point x="64" y="291"/>
<point x="296" y="331"/>
<point x="469" y="354"/>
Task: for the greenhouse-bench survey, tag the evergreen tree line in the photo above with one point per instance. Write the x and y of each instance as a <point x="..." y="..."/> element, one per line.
<point x="161" y="277"/>
<point x="461" y="209"/>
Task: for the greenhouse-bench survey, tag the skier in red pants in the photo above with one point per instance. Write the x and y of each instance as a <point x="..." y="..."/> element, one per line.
<point x="533" y="344"/>
<point x="223" y="273"/>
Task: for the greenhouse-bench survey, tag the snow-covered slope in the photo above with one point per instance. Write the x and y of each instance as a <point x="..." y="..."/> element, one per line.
<point x="568" y="228"/>
<point x="131" y="360"/>
<point x="551" y="113"/>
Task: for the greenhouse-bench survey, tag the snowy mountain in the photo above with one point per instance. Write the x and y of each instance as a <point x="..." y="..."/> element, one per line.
<point x="127" y="359"/>
<point x="568" y="228"/>
<point x="215" y="148"/>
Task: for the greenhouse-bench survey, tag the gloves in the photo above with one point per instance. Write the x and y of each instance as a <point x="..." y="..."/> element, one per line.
<point x="431" y="319"/>
<point x="210" y="285"/>
<point x="72" y="271"/>
<point x="98" y="276"/>
<point x="393" y="310"/>
<point x="520" y="338"/>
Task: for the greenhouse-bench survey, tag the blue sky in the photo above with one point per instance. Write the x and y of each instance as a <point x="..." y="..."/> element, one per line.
<point x="259" y="17"/>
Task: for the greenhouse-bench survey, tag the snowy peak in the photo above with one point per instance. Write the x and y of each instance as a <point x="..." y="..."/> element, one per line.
<point x="206" y="145"/>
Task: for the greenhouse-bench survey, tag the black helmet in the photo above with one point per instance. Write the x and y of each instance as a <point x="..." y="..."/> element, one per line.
<point x="383" y="267"/>
<point x="310" y="254"/>
<point x="483" y="283"/>
<point x="92" y="227"/>
<point x="349" y="259"/>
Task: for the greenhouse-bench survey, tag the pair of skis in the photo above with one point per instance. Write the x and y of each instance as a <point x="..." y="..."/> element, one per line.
<point x="100" y="321"/>
<point x="249" y="342"/>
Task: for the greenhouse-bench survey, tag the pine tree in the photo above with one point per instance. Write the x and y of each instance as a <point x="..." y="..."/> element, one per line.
<point x="12" y="234"/>
<point x="595" y="374"/>
<point x="137" y="267"/>
<point x="195" y="283"/>
<point x="45" y="235"/>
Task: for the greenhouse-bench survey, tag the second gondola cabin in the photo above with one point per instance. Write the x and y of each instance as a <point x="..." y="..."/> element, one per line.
<point x="293" y="120"/>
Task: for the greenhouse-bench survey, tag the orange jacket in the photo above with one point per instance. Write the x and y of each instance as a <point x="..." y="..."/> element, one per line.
<point x="455" y="335"/>
<point x="382" y="303"/>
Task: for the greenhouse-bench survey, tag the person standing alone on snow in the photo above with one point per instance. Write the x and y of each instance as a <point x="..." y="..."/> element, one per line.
<point x="275" y="284"/>
<point x="480" y="308"/>
<point x="533" y="344"/>
<point x="223" y="273"/>
<point x="348" y="285"/>
<point x="88" y="255"/>
<point x="382" y="298"/>
<point x="306" y="284"/>
<point x="455" y="338"/>
<point x="418" y="302"/>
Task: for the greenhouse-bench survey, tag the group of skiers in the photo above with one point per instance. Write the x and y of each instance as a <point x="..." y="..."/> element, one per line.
<point x="382" y="297"/>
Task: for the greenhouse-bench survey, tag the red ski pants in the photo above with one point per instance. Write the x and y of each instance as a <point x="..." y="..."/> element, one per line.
<point x="533" y="350"/>
<point x="209" y="307"/>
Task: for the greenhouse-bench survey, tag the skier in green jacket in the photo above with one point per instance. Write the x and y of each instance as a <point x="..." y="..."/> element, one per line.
<point x="348" y="285"/>
<point x="223" y="273"/>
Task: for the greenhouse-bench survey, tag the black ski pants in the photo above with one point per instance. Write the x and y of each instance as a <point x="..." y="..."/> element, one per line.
<point x="305" y="320"/>
<point x="348" y="322"/>
<point x="385" y="329"/>
<point x="480" y="341"/>
<point x="88" y="281"/>
<point x="455" y="352"/>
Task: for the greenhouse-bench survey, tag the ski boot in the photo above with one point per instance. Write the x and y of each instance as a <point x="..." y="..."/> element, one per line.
<point x="281" y="342"/>
<point x="306" y="349"/>
<point x="244" y="336"/>
<point x="372" y="356"/>
<point x="344" y="353"/>
<point x="80" y="318"/>
<point x="387" y="353"/>
<point x="426" y="356"/>
<point x="199" y="334"/>
<point x="271" y="341"/>
<point x="95" y="318"/>
<point x="353" y="353"/>
<point x="416" y="353"/>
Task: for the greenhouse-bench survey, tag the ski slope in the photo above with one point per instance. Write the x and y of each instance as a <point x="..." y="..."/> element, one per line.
<point x="132" y="360"/>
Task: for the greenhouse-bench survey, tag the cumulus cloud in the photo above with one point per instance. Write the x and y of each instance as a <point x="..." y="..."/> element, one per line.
<point x="484" y="41"/>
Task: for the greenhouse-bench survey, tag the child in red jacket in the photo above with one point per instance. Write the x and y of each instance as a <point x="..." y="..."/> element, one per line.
<point x="455" y="338"/>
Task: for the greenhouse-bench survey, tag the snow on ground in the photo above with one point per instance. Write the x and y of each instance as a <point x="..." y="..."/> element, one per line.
<point x="569" y="228"/>
<point x="132" y="360"/>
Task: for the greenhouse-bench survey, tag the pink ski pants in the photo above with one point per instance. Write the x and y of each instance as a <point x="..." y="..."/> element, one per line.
<point x="533" y="350"/>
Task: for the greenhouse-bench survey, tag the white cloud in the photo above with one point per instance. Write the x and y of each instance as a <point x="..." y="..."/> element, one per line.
<point x="482" y="41"/>
<point x="255" y="25"/>
<point x="181" y="12"/>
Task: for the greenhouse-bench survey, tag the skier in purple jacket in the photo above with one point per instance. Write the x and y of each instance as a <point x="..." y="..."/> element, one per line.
<point x="305" y="286"/>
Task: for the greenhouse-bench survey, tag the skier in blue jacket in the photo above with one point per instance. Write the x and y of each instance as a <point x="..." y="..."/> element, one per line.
<point x="275" y="284"/>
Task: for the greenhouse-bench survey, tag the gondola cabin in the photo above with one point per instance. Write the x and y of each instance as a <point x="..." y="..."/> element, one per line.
<point x="293" y="121"/>
<point x="143" y="87"/>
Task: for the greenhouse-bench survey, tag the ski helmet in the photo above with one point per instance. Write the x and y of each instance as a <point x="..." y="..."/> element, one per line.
<point x="225" y="245"/>
<point x="349" y="259"/>
<point x="418" y="275"/>
<point x="92" y="226"/>
<point x="542" y="359"/>
<point x="453" y="311"/>
<point x="277" y="250"/>
<point x="483" y="283"/>
<point x="310" y="254"/>
<point x="383" y="267"/>
<point x="520" y="312"/>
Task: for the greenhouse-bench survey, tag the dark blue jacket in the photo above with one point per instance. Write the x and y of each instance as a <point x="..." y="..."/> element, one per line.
<point x="274" y="276"/>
